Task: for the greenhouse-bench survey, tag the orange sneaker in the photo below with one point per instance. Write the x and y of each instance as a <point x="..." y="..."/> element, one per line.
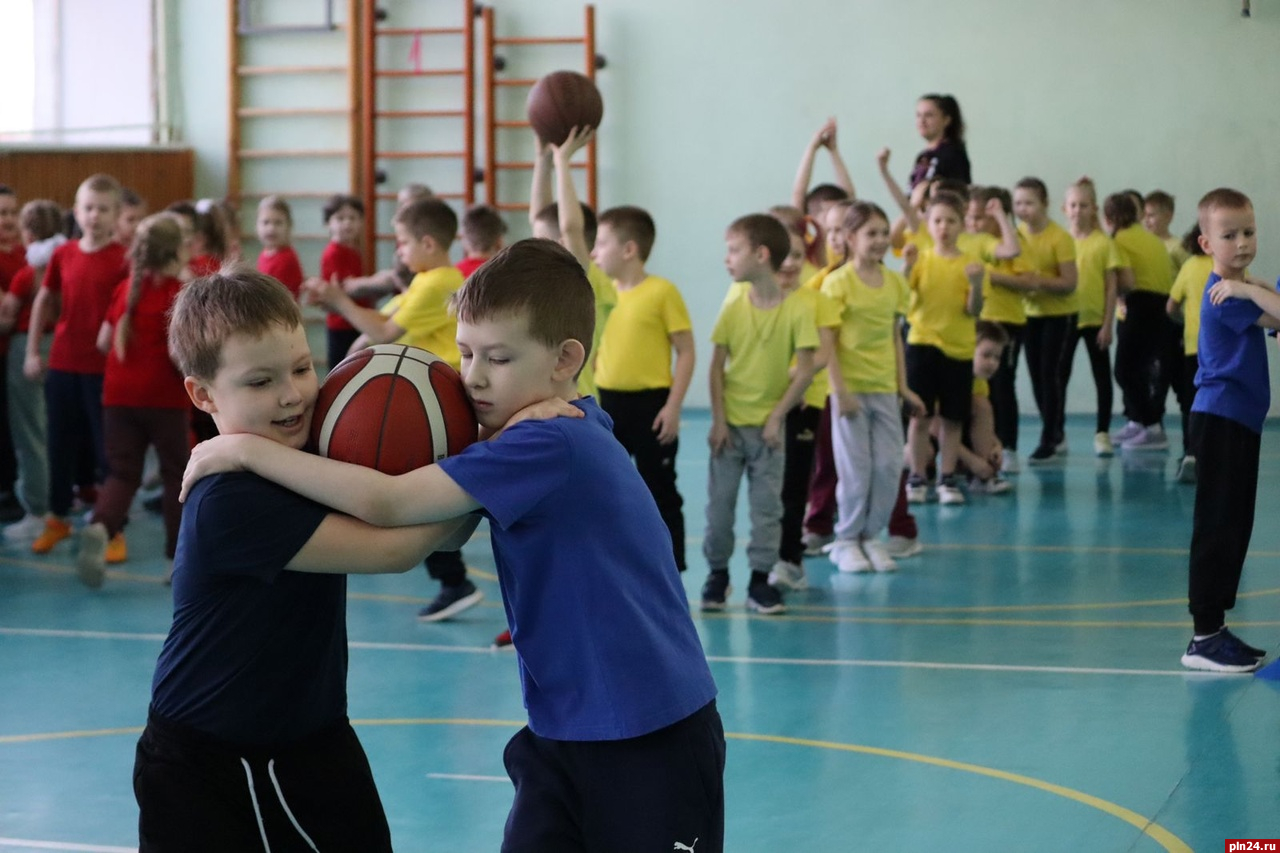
<point x="55" y="530"/>
<point x="117" y="551"/>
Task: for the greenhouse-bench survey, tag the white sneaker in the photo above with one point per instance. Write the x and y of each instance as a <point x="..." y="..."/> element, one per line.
<point x="91" y="563"/>
<point x="25" y="530"/>
<point x="1009" y="462"/>
<point x="790" y="575"/>
<point x="902" y="547"/>
<point x="949" y="494"/>
<point x="1126" y="432"/>
<point x="997" y="485"/>
<point x="1187" y="470"/>
<point x="1151" y="438"/>
<point x="917" y="493"/>
<point x="1102" y="446"/>
<point x="1060" y="448"/>
<point x="848" y="557"/>
<point x="878" y="556"/>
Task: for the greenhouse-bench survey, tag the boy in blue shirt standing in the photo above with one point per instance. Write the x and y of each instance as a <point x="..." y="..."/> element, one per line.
<point x="247" y="744"/>
<point x="1232" y="397"/>
<point x="624" y="749"/>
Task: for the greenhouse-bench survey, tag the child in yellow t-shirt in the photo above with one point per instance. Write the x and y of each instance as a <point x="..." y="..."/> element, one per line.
<point x="980" y="453"/>
<point x="1146" y="338"/>
<point x="752" y="390"/>
<point x="572" y="224"/>
<point x="425" y="229"/>
<point x="1157" y="214"/>
<point x="1097" y="267"/>
<point x="1048" y="261"/>
<point x="1183" y="307"/>
<point x="637" y="385"/>
<point x="946" y="297"/>
<point x="868" y="385"/>
<point x="804" y="422"/>
<point x="990" y="216"/>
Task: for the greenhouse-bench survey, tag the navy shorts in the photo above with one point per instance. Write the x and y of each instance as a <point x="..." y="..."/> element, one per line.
<point x="944" y="384"/>
<point x="660" y="791"/>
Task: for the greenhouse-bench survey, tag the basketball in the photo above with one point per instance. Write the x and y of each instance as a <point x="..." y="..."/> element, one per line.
<point x="394" y="408"/>
<point x="561" y="101"/>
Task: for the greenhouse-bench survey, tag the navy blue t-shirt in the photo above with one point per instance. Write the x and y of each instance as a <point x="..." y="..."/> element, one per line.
<point x="256" y="655"/>
<point x="1232" y="381"/>
<point x="598" y="615"/>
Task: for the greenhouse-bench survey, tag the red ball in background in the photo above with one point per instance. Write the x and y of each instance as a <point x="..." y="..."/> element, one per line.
<point x="561" y="101"/>
<point x="394" y="408"/>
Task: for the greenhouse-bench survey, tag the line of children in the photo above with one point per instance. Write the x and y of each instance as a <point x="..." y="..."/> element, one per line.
<point x="13" y="258"/>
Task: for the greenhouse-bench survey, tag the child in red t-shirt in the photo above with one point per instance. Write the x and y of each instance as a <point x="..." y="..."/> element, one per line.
<point x="77" y="289"/>
<point x="341" y="261"/>
<point x="13" y="257"/>
<point x="41" y="228"/>
<point x="278" y="259"/>
<point x="143" y="396"/>
<point x="132" y="208"/>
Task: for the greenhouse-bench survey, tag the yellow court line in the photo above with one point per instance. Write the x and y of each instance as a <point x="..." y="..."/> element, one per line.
<point x="1020" y="608"/>
<point x="1150" y="828"/>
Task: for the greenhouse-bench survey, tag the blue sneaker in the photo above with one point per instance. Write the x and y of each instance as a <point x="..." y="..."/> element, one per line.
<point x="715" y="591"/>
<point x="1220" y="652"/>
<point x="451" y="601"/>
<point x="1255" y="652"/>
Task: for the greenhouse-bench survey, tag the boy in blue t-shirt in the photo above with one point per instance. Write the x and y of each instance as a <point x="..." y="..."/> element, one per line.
<point x="1232" y="397"/>
<point x="247" y="744"/>
<point x="624" y="749"/>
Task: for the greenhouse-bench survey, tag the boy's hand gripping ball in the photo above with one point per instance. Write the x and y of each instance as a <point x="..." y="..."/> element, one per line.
<point x="561" y="101"/>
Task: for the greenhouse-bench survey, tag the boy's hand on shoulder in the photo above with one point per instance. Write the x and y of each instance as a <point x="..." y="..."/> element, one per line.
<point x="667" y="424"/>
<point x="1228" y="288"/>
<point x="543" y="410"/>
<point x="218" y="454"/>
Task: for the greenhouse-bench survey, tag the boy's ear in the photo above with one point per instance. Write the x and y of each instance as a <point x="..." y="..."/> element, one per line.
<point x="630" y="249"/>
<point x="1204" y="243"/>
<point x="199" y="394"/>
<point x="569" y="360"/>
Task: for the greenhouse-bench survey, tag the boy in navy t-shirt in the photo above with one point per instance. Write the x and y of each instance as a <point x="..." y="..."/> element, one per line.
<point x="1232" y="397"/>
<point x="247" y="744"/>
<point x="624" y="749"/>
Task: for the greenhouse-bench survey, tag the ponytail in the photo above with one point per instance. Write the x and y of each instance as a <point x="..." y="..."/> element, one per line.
<point x="156" y="246"/>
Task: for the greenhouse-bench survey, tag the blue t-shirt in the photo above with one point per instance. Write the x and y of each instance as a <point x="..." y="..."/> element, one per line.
<point x="598" y="615"/>
<point x="256" y="655"/>
<point x="1232" y="381"/>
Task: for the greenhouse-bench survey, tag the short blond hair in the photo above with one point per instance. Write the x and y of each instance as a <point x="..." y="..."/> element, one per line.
<point x="1223" y="198"/>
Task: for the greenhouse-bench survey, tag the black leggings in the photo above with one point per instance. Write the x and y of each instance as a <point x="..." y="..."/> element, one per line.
<point x="1047" y="340"/>
<point x="1100" y="365"/>
<point x="1142" y="353"/>
<point x="1004" y="387"/>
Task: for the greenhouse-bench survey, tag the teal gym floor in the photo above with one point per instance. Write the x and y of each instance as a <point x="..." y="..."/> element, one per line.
<point x="1014" y="688"/>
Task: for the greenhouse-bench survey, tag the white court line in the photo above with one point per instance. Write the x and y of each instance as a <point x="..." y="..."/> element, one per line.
<point x="750" y="661"/>
<point x="466" y="777"/>
<point x="62" y="845"/>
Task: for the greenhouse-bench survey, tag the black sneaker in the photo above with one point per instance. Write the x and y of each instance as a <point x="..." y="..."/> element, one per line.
<point x="1252" y="651"/>
<point x="451" y="601"/>
<point x="1220" y="652"/>
<point x="1042" y="454"/>
<point x="764" y="599"/>
<point x="714" y="591"/>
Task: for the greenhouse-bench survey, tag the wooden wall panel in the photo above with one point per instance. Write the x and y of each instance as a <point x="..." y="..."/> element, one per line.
<point x="159" y="174"/>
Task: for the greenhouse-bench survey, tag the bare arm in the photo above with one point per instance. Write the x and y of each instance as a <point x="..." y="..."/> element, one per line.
<point x="381" y="283"/>
<point x="421" y="496"/>
<point x="346" y="545"/>
<point x="910" y="216"/>
<point x="572" y="227"/>
<point x="1009" y="246"/>
<point x="1108" y="309"/>
<point x="371" y="322"/>
<point x="801" y="378"/>
<point x="976" y="274"/>
<point x="1062" y="283"/>
<point x="826" y="349"/>
<point x="1254" y="290"/>
<point x="719" y="433"/>
<point x="540" y="189"/>
<point x="804" y="173"/>
<point x="43" y="309"/>
<point x="1124" y="280"/>
<point x="10" y="308"/>
<point x="915" y="406"/>
<point x="667" y="423"/>
<point x="103" y="342"/>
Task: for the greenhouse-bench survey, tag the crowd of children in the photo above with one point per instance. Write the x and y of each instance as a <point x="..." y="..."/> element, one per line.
<point x="845" y="388"/>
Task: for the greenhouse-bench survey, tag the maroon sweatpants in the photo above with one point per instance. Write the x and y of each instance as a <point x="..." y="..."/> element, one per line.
<point x="127" y="432"/>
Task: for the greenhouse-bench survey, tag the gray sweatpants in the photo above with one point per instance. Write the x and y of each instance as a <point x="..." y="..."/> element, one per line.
<point x="868" y="454"/>
<point x="746" y="453"/>
<point x="29" y="425"/>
